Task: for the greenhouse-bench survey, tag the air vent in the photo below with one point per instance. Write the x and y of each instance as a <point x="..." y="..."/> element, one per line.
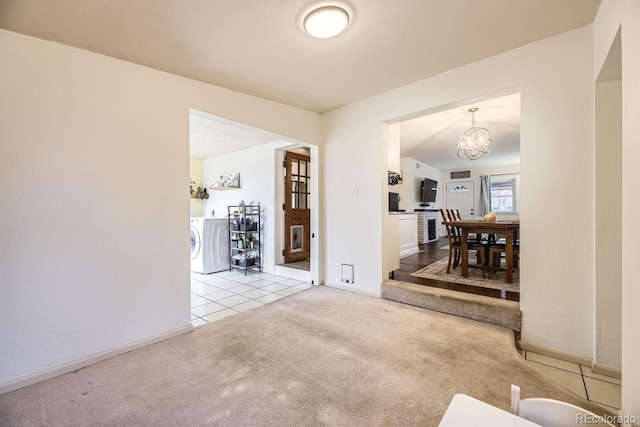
<point x="347" y="273"/>
<point x="460" y="174"/>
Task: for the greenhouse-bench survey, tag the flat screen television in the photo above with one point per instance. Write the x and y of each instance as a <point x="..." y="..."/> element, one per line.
<point x="428" y="191"/>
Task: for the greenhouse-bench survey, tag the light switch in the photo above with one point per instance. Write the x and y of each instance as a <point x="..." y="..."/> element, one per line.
<point x="355" y="191"/>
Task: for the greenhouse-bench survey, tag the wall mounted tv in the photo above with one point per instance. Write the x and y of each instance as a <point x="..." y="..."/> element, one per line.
<point x="428" y="190"/>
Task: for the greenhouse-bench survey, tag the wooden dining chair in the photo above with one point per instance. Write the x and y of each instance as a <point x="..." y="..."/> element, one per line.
<point x="496" y="249"/>
<point x="455" y="242"/>
<point x="453" y="214"/>
<point x="455" y="245"/>
<point x="478" y="242"/>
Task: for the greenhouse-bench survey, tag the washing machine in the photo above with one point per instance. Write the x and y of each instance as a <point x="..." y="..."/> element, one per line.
<point x="209" y="245"/>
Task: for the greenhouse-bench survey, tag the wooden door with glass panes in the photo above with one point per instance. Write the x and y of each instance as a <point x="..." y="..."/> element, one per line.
<point x="297" y="206"/>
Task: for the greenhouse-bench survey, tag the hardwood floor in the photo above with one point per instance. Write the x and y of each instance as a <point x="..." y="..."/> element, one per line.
<point x="431" y="253"/>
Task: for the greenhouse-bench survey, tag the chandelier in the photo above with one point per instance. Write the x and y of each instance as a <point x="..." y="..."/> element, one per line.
<point x="475" y="142"/>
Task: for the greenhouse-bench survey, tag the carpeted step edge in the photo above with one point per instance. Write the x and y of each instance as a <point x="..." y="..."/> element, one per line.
<point x="484" y="309"/>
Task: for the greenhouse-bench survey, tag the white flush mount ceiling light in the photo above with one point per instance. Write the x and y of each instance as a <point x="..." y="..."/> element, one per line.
<point x="475" y="142"/>
<point x="326" y="21"/>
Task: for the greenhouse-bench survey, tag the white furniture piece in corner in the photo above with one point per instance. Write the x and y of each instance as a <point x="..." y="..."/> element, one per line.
<point x="408" y="234"/>
<point x="467" y="411"/>
<point x="552" y="413"/>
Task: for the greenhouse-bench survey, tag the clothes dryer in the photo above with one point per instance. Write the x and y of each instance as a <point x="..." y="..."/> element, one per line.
<point x="209" y="245"/>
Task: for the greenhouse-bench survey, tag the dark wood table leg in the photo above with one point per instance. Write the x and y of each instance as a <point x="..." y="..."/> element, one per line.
<point x="508" y="253"/>
<point x="464" y="256"/>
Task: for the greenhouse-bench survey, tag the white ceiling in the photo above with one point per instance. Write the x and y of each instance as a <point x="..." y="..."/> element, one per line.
<point x="211" y="136"/>
<point x="432" y="139"/>
<point x="257" y="47"/>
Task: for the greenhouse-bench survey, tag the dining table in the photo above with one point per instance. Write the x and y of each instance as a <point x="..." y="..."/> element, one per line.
<point x="509" y="228"/>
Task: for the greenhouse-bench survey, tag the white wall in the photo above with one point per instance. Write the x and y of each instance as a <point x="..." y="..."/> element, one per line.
<point x="613" y="15"/>
<point x="195" y="175"/>
<point x="94" y="166"/>
<point x="353" y="156"/>
<point x="257" y="181"/>
<point x="555" y="80"/>
<point x="608" y="235"/>
<point x="413" y="173"/>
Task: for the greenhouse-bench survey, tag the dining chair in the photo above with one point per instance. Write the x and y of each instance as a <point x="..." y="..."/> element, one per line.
<point x="477" y="241"/>
<point x="551" y="412"/>
<point x="454" y="241"/>
<point x="496" y="249"/>
<point x="449" y="213"/>
<point x="454" y="214"/>
<point x="454" y="235"/>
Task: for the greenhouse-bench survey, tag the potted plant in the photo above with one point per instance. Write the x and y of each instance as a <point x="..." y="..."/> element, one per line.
<point x="201" y="192"/>
<point x="248" y="241"/>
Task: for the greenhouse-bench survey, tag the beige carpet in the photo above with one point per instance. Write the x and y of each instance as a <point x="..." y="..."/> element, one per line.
<point x="438" y="271"/>
<point x="319" y="357"/>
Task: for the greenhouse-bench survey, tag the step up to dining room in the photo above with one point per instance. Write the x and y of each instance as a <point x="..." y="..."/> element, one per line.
<point x="494" y="311"/>
<point x="474" y="275"/>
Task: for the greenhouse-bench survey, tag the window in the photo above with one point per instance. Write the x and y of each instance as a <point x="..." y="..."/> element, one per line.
<point x="504" y="193"/>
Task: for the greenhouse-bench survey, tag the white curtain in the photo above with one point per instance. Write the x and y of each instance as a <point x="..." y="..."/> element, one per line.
<point x="485" y="195"/>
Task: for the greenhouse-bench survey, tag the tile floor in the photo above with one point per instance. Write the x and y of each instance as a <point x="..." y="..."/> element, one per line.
<point x="218" y="295"/>
<point x="580" y="379"/>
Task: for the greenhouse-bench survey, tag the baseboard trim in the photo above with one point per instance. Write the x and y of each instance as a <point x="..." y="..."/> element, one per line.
<point x="546" y="351"/>
<point x="408" y="252"/>
<point x="352" y="289"/>
<point x="606" y="370"/>
<point x="292" y="273"/>
<point x="27" y="380"/>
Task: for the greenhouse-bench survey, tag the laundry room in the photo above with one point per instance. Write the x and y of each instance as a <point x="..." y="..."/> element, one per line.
<point x="210" y="235"/>
<point x="230" y="166"/>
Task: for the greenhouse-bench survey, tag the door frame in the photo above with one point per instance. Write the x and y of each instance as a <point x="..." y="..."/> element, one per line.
<point x="296" y="214"/>
<point x="315" y="255"/>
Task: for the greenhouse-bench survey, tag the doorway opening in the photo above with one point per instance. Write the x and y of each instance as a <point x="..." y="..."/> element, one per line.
<point x="426" y="143"/>
<point x="294" y="190"/>
<point x="221" y="148"/>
